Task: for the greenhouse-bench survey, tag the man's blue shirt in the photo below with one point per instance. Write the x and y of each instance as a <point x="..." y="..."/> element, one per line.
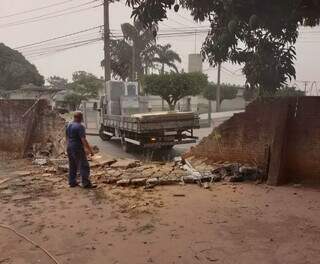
<point x="75" y="131"/>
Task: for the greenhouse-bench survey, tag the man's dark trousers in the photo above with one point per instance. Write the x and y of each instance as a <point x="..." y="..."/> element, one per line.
<point x="78" y="159"/>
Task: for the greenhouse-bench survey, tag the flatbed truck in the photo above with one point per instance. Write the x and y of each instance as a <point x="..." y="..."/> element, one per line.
<point x="159" y="130"/>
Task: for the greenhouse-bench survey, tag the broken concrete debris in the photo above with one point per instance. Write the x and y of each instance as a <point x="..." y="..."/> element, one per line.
<point x="130" y="172"/>
<point x="40" y="162"/>
<point x="125" y="164"/>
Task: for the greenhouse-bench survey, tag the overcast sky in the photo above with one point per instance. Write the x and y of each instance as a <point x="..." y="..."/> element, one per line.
<point x="88" y="57"/>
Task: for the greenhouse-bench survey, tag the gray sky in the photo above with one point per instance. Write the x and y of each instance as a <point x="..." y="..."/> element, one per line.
<point x="88" y="57"/>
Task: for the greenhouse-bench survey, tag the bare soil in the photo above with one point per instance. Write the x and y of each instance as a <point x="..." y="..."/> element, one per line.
<point x="229" y="223"/>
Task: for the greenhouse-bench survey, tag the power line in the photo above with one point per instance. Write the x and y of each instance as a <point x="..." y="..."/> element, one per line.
<point x="53" y="49"/>
<point x="64" y="49"/>
<point x="36" y="9"/>
<point x="100" y="27"/>
<point x="184" y="18"/>
<point x="231" y="72"/>
<point x="173" y="34"/>
<point x="48" y="47"/>
<point x="37" y="47"/>
<point x="186" y="28"/>
<point x="177" y="22"/>
<point x="50" y="15"/>
<point x="61" y="45"/>
<point x="44" y="16"/>
<point x="59" y="37"/>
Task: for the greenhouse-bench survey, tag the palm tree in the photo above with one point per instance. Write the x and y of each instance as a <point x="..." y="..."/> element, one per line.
<point x="120" y="59"/>
<point x="128" y="55"/>
<point x="141" y="40"/>
<point x="165" y="56"/>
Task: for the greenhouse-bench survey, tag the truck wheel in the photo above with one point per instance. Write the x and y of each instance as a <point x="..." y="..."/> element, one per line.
<point x="125" y="146"/>
<point x="167" y="148"/>
<point x="103" y="136"/>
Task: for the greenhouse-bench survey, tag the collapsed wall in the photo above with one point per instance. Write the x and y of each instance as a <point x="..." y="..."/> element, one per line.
<point x="26" y="123"/>
<point x="281" y="135"/>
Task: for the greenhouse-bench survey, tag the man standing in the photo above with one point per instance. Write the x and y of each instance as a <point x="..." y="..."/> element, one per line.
<point x="77" y="143"/>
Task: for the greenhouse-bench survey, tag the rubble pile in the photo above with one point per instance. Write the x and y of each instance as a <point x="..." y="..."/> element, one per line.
<point x="30" y="128"/>
<point x="47" y="175"/>
<point x="130" y="172"/>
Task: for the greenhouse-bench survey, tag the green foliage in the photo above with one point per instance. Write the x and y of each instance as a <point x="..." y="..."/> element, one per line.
<point x="85" y="85"/>
<point x="289" y="91"/>
<point x="259" y="34"/>
<point x="306" y="12"/>
<point x="286" y="91"/>
<point x="121" y="57"/>
<point x="250" y="94"/>
<point x="165" y="56"/>
<point x="73" y="100"/>
<point x="174" y="86"/>
<point x="136" y="38"/>
<point x="147" y="53"/>
<point x="16" y="71"/>
<point x="57" y="82"/>
<point x="228" y="91"/>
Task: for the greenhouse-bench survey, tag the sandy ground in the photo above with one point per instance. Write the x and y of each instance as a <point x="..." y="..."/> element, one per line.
<point x="230" y="223"/>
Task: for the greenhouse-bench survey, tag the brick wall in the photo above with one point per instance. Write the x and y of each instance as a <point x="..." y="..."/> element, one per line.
<point x="22" y="123"/>
<point x="247" y="136"/>
<point x="12" y="125"/>
<point x="303" y="140"/>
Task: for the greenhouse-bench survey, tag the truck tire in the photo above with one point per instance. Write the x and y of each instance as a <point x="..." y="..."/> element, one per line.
<point x="126" y="147"/>
<point x="168" y="147"/>
<point x="103" y="136"/>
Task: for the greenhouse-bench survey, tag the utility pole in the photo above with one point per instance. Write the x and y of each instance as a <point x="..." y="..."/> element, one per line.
<point x="107" y="65"/>
<point x="133" y="77"/>
<point x="305" y="86"/>
<point x="209" y="112"/>
<point x="195" y="41"/>
<point x="218" y="95"/>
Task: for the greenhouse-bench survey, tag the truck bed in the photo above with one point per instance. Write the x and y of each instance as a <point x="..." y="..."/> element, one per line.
<point x="159" y="121"/>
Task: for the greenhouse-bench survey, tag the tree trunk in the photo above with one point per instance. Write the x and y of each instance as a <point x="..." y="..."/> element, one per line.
<point x="172" y="107"/>
<point x="162" y="101"/>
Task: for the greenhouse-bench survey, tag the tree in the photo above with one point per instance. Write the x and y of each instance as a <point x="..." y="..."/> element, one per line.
<point x="289" y="91"/>
<point x="86" y="85"/>
<point x="228" y="91"/>
<point x="73" y="100"/>
<point x="128" y="55"/>
<point x="57" y="82"/>
<point x="174" y="86"/>
<point x="249" y="94"/>
<point x="16" y="71"/>
<point x="141" y="39"/>
<point x="286" y="91"/>
<point x="120" y="59"/>
<point x="259" y="34"/>
<point x="165" y="56"/>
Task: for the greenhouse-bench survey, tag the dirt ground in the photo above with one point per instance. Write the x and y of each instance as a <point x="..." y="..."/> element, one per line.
<point x="229" y="223"/>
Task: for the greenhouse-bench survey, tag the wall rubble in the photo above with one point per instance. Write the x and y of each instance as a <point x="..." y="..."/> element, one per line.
<point x="28" y="122"/>
<point x="287" y="128"/>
